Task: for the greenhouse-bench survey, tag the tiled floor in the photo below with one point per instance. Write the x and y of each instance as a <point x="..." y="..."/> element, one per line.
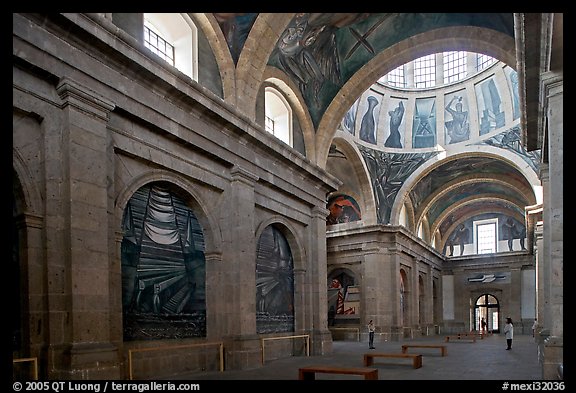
<point x="485" y="360"/>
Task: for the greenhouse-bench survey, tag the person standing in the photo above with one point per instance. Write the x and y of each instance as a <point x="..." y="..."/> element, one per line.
<point x="483" y="324"/>
<point x="534" y="326"/>
<point x="509" y="333"/>
<point x="371" y="330"/>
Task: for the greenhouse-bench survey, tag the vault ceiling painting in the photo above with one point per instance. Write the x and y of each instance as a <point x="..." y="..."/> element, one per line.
<point x="320" y="52"/>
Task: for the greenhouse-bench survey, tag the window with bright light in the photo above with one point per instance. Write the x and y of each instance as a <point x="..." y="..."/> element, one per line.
<point x="425" y="71"/>
<point x="483" y="61"/>
<point x="158" y="45"/>
<point x="278" y="115"/>
<point x="485" y="236"/>
<point x="173" y="37"/>
<point x="454" y="66"/>
<point x="396" y="77"/>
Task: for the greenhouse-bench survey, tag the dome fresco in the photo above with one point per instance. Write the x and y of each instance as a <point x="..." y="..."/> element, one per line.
<point x="475" y="119"/>
<point x="405" y="144"/>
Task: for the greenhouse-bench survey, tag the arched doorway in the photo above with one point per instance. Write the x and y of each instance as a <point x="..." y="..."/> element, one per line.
<point x="487" y="307"/>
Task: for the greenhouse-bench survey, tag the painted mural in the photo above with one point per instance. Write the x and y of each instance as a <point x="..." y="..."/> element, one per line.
<point x="424" y="124"/>
<point x="343" y="208"/>
<point x="512" y="79"/>
<point x="396" y="126"/>
<point x="512" y="229"/>
<point x="321" y="51"/>
<point x="343" y="297"/>
<point x="349" y="120"/>
<point x="460" y="237"/>
<point x="369" y="123"/>
<point x="458" y="126"/>
<point x="510" y="139"/>
<point x="163" y="267"/>
<point x="388" y="171"/>
<point x="274" y="283"/>
<point x="235" y="27"/>
<point x="491" y="115"/>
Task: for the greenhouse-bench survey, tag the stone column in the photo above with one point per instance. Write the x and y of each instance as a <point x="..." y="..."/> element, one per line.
<point x="242" y="344"/>
<point x="87" y="352"/>
<point x="321" y="338"/>
<point x="553" y="88"/>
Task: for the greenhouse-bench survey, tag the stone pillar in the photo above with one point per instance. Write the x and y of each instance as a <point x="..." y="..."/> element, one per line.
<point x="242" y="344"/>
<point x="553" y="88"/>
<point x="321" y="338"/>
<point x="86" y="351"/>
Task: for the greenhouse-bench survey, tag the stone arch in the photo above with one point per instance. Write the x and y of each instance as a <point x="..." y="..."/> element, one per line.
<point x="469" y="151"/>
<point x="212" y="233"/>
<point x="352" y="153"/>
<point x="251" y="66"/>
<point x="279" y="80"/>
<point x="290" y="233"/>
<point x="207" y="22"/>
<point x="466" y="38"/>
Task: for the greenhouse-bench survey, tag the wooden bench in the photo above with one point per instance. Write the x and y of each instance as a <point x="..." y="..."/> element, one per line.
<point x="459" y="337"/>
<point x="416" y="358"/>
<point x="309" y="372"/>
<point x="442" y="347"/>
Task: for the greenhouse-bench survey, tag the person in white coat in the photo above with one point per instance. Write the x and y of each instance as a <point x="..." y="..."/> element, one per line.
<point x="509" y="333"/>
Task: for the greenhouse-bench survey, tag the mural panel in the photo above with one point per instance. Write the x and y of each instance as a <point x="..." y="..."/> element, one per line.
<point x="349" y="121"/>
<point x="274" y="283"/>
<point x="424" y="124"/>
<point x="458" y="124"/>
<point x="369" y="123"/>
<point x="395" y="129"/>
<point x="512" y="79"/>
<point x="490" y="112"/>
<point x="163" y="267"/>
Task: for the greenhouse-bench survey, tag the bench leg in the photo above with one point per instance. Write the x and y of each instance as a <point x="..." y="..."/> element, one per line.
<point x="368" y="360"/>
<point x="417" y="362"/>
<point x="372" y="376"/>
<point x="306" y="376"/>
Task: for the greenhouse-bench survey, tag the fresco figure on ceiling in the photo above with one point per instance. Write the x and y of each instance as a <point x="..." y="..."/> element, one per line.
<point x="368" y="125"/>
<point x="459" y="127"/>
<point x="396" y="115"/>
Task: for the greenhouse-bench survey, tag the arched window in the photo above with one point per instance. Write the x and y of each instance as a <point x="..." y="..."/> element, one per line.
<point x="173" y="37"/>
<point x="278" y="114"/>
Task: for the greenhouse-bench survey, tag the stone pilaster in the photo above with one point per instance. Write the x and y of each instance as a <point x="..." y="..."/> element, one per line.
<point x="321" y="338"/>
<point x="241" y="341"/>
<point x="86" y="351"/>
<point x="553" y="91"/>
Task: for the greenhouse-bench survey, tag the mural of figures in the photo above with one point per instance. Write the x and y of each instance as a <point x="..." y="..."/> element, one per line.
<point x="368" y="125"/>
<point x="424" y="124"/>
<point x="458" y="128"/>
<point x="343" y="208"/>
<point x="395" y="137"/>
<point x="489" y="101"/>
<point x="274" y="283"/>
<point x="163" y="267"/>
<point x="511" y="230"/>
<point x="510" y="139"/>
<point x="513" y="85"/>
<point x="388" y="171"/>
<point x="460" y="236"/>
<point x="349" y="121"/>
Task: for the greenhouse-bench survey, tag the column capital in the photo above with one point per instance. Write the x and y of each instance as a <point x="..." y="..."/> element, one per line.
<point x="83" y="98"/>
<point x="243" y="175"/>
